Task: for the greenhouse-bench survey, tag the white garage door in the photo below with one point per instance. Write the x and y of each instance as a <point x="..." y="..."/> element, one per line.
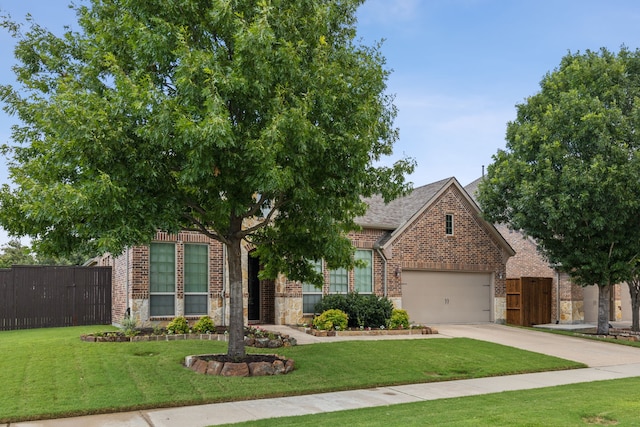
<point x="446" y="297"/>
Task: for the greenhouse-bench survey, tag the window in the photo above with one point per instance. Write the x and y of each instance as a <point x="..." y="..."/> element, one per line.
<point x="339" y="281"/>
<point x="162" y="279"/>
<point x="310" y="294"/>
<point x="363" y="276"/>
<point x="448" y="224"/>
<point x="196" y="274"/>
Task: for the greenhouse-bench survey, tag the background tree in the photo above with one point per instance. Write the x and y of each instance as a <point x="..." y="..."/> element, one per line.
<point x="570" y="175"/>
<point x="634" y="291"/>
<point x="15" y="253"/>
<point x="256" y="121"/>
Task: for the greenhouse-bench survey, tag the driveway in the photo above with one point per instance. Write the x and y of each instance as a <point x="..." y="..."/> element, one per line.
<point x="590" y="352"/>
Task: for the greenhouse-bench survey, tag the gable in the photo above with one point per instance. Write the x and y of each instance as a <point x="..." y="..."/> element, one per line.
<point x="473" y="243"/>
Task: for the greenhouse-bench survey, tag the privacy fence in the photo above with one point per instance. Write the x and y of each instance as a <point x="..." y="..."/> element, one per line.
<point x="529" y="301"/>
<point x="46" y="296"/>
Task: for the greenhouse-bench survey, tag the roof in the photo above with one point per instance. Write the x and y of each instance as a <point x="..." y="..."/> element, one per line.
<point x="397" y="212"/>
<point x="472" y="188"/>
<point x="396" y="215"/>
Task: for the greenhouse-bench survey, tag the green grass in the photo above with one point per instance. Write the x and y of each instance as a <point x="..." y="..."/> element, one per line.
<point x="604" y="403"/>
<point x="587" y="336"/>
<point x="49" y="373"/>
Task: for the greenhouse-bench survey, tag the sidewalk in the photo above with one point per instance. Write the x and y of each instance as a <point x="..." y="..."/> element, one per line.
<point x="605" y="361"/>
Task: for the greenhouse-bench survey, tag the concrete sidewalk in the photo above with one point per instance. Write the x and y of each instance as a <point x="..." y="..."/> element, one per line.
<point x="605" y="361"/>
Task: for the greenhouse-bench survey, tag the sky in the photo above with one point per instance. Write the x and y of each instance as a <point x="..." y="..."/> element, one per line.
<point x="459" y="67"/>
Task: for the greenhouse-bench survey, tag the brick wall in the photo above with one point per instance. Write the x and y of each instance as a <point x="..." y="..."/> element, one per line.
<point x="424" y="245"/>
<point x="131" y="275"/>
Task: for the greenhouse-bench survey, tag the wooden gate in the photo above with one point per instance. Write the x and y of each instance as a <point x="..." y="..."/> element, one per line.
<point x="529" y="301"/>
<point x="46" y="296"/>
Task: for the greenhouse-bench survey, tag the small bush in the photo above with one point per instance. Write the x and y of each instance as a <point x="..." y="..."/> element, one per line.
<point x="204" y="325"/>
<point x="179" y="325"/>
<point x="330" y="320"/>
<point x="399" y="319"/>
<point x="129" y="325"/>
<point x="364" y="311"/>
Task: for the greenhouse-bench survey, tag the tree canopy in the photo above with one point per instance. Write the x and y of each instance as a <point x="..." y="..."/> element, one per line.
<point x="570" y="174"/>
<point x="15" y="253"/>
<point x="261" y="121"/>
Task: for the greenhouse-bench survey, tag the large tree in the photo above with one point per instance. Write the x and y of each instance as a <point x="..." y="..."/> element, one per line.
<point x="256" y="121"/>
<point x="570" y="174"/>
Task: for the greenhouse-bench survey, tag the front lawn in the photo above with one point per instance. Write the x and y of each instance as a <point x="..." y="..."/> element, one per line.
<point x="51" y="373"/>
<point x="603" y="403"/>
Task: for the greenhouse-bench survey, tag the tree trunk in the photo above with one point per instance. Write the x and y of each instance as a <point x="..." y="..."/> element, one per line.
<point x="236" y="305"/>
<point x="604" y="292"/>
<point x="634" y="291"/>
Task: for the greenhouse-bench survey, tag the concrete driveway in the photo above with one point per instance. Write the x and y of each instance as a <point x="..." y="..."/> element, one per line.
<point x="590" y="352"/>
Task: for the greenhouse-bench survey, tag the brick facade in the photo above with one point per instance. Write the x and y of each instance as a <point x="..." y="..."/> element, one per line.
<point x="423" y="245"/>
<point x="131" y="277"/>
<point x="419" y="244"/>
<point x="570" y="303"/>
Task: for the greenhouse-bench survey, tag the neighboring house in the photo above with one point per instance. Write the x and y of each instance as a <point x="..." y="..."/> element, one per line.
<point x="429" y="252"/>
<point x="576" y="304"/>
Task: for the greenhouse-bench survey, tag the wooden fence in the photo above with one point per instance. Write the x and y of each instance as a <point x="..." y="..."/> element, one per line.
<point x="529" y="301"/>
<point x="46" y="296"/>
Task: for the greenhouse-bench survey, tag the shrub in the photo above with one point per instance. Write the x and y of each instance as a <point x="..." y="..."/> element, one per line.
<point x="179" y="325"/>
<point x="331" y="319"/>
<point x="129" y="325"/>
<point x="367" y="311"/>
<point x="399" y="319"/>
<point x="204" y="325"/>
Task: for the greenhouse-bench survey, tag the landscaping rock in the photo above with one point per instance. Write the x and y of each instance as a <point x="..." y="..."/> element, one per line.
<point x="231" y="369"/>
<point x="289" y="366"/>
<point x="277" y="343"/>
<point x="260" y="369"/>
<point x="200" y="366"/>
<point x="278" y="367"/>
<point x="214" y="367"/>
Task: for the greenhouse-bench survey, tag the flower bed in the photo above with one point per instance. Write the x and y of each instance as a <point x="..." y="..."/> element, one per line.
<point x="121" y="337"/>
<point x="254" y="337"/>
<point x="617" y="334"/>
<point x="424" y="330"/>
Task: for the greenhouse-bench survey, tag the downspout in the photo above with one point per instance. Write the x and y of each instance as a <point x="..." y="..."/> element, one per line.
<point x="384" y="267"/>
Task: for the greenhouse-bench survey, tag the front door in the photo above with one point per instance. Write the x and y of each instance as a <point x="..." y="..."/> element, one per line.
<point x="254" y="290"/>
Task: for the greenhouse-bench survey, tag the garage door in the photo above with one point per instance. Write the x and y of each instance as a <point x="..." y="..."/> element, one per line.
<point x="446" y="297"/>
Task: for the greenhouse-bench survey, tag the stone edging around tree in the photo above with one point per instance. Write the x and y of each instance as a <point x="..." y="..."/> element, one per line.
<point x="262" y="365"/>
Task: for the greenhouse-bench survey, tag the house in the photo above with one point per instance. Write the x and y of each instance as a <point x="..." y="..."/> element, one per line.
<point x="429" y="252"/>
<point x="570" y="303"/>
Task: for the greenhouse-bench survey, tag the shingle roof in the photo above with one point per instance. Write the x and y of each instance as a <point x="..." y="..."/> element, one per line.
<point x="472" y="189"/>
<point x="397" y="212"/>
<point x="395" y="215"/>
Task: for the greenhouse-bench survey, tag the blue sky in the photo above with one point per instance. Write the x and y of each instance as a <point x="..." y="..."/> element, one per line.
<point x="459" y="66"/>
